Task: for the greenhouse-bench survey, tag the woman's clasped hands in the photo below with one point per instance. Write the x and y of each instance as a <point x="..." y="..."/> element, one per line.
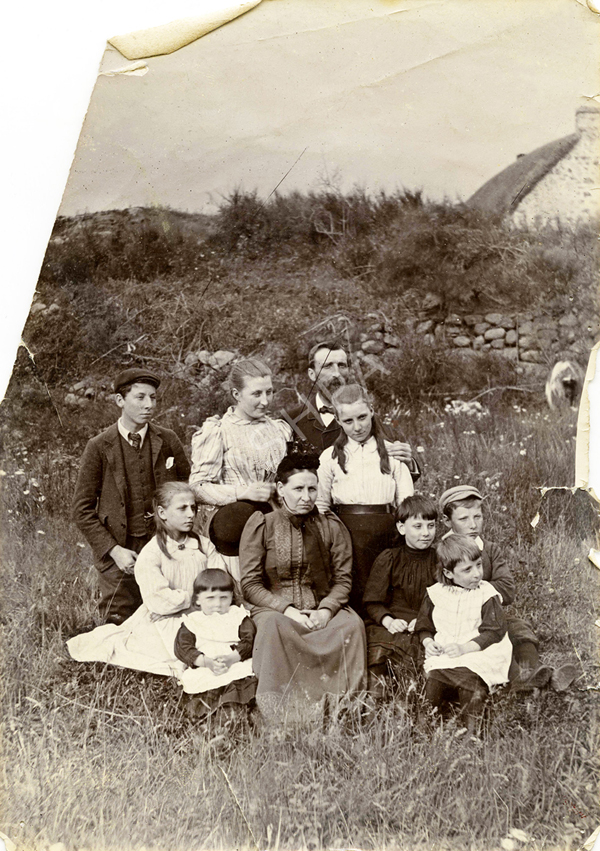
<point x="396" y="625"/>
<point x="312" y="619"/>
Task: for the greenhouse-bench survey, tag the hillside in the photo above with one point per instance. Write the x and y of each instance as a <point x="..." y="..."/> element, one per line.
<point x="409" y="286"/>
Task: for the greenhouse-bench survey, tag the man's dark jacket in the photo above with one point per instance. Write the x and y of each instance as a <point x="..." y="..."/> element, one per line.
<point x="99" y="503"/>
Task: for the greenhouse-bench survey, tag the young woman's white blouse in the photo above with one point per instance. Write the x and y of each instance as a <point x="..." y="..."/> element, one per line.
<point x="363" y="483"/>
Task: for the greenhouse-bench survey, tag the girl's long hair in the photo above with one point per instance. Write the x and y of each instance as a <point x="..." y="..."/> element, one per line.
<point x="348" y="395"/>
<point x="163" y="496"/>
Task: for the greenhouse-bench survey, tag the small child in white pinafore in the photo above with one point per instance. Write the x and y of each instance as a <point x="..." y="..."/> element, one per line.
<point x="215" y="641"/>
<point x="463" y="630"/>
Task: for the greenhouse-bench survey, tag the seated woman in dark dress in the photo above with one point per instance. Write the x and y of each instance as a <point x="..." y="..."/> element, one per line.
<point x="296" y="569"/>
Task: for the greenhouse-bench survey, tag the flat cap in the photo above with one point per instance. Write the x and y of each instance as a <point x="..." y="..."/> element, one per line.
<point x="135" y="375"/>
<point x="457" y="493"/>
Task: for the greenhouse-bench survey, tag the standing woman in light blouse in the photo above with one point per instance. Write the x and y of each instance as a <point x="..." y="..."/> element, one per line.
<point x="361" y="482"/>
<point x="235" y="457"/>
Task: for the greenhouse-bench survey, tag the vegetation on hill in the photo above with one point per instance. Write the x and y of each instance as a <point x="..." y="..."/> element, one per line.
<point x="152" y="286"/>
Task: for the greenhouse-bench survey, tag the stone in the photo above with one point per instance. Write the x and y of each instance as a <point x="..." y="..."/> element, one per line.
<point x="453" y="319"/>
<point x="571" y="335"/>
<point x="568" y="321"/>
<point x="531" y="356"/>
<point x="461" y="342"/>
<point x="472" y="319"/>
<point x="439" y="332"/>
<point x="494" y="334"/>
<point x="425" y="327"/>
<point x="511" y="337"/>
<point x="432" y="301"/>
<point x="392" y="341"/>
<point x="429" y="339"/>
<point x="376" y="326"/>
<point x="71" y="399"/>
<point x="486" y="347"/>
<point x="544" y="322"/>
<point x="191" y="358"/>
<point x="526" y="329"/>
<point x="526" y="343"/>
<point x="54" y="308"/>
<point x="478" y="342"/>
<point x="452" y="330"/>
<point x="221" y="359"/>
<point x="494" y="318"/>
<point x="373" y="347"/>
<point x="375" y="335"/>
<point x="481" y="327"/>
<point x="204" y="357"/>
<point x="509" y="354"/>
<point x="89" y="393"/>
<point x="498" y="343"/>
<point x="37" y="307"/>
<point x="81" y="385"/>
<point x="507" y="322"/>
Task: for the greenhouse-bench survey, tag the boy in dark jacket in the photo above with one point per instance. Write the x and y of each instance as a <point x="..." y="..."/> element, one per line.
<point x="120" y="470"/>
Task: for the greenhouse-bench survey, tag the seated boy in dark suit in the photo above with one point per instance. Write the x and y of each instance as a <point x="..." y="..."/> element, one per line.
<point x="120" y="470"/>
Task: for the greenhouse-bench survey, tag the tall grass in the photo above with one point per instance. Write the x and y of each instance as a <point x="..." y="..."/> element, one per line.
<point x="101" y="758"/>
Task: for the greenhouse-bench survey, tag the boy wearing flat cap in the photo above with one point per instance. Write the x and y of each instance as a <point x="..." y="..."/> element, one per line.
<point x="461" y="505"/>
<point x="120" y="470"/>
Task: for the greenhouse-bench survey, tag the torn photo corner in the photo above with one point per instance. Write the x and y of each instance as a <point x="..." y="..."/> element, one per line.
<point x="415" y="183"/>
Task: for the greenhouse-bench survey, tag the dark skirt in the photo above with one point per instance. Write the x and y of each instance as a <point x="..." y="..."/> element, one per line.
<point x="241" y="692"/>
<point x="459" y="678"/>
<point x="290" y="659"/>
<point x="371" y="534"/>
<point x="402" y="650"/>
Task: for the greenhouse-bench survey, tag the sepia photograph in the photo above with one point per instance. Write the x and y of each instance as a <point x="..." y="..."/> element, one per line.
<point x="299" y="536"/>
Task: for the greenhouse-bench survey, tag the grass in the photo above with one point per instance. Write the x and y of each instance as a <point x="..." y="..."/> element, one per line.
<point x="102" y="758"/>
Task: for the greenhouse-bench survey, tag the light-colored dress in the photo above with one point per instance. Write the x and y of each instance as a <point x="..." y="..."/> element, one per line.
<point x="215" y="634"/>
<point x="457" y="617"/>
<point x="145" y="641"/>
<point x="230" y="452"/>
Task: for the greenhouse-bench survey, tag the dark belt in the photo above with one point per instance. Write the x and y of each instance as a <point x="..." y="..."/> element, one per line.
<point x="363" y="509"/>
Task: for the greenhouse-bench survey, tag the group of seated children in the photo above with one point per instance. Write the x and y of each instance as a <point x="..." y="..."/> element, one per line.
<point x="443" y="603"/>
<point x="446" y="603"/>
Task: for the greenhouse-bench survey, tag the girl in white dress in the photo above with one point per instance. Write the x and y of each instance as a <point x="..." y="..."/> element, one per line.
<point x="362" y="483"/>
<point x="165" y="571"/>
<point x="215" y="641"/>
<point x="462" y="627"/>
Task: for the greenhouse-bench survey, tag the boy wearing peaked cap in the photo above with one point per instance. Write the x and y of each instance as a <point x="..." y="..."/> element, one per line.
<point x="462" y="506"/>
<point x="119" y="471"/>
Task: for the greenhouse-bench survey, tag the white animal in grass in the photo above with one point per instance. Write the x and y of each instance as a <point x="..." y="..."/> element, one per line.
<point x="564" y="385"/>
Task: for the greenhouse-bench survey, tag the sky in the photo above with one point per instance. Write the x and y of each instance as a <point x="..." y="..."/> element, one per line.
<point x="430" y="94"/>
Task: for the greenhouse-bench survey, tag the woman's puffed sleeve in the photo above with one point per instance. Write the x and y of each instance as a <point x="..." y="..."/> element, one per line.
<point x="403" y="481"/>
<point x="156" y="593"/>
<point x="341" y="565"/>
<point x="253" y="551"/>
<point x="207" y="465"/>
<point x="325" y="475"/>
<point x="285" y="428"/>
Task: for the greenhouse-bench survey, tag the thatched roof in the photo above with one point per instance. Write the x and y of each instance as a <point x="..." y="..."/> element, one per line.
<point x="503" y="193"/>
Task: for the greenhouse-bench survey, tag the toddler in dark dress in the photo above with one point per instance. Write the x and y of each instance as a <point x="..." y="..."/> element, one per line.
<point x="396" y="589"/>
